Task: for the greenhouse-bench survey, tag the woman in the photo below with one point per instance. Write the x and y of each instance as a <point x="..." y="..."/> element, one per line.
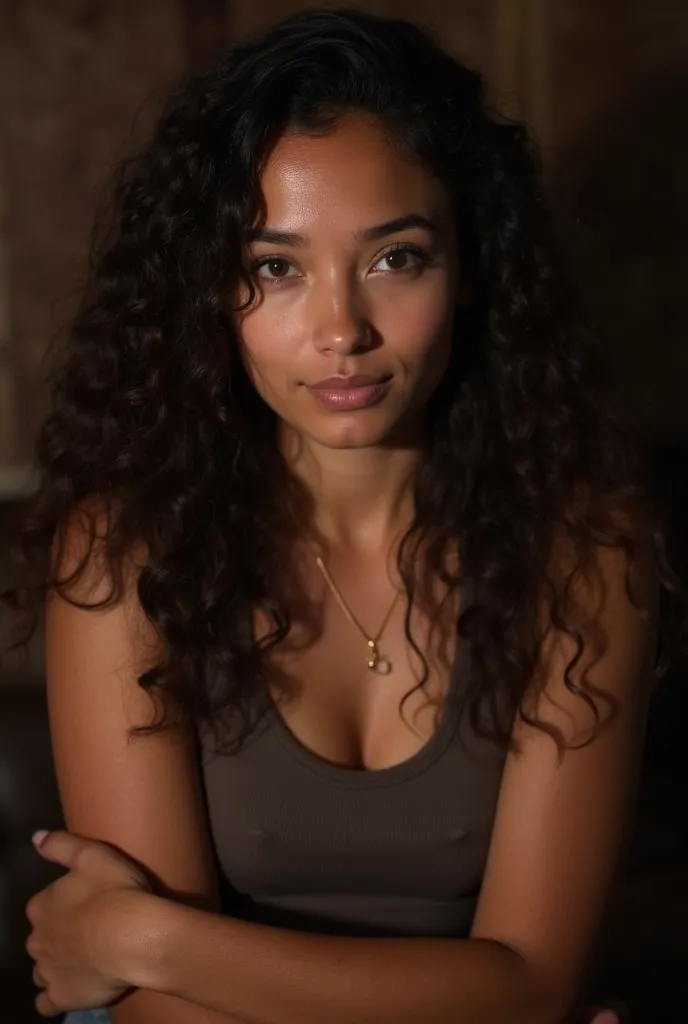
<point x="344" y="546"/>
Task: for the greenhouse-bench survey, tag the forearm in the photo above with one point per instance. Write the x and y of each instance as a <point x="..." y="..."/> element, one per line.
<point x="276" y="976"/>
<point x="146" y="1007"/>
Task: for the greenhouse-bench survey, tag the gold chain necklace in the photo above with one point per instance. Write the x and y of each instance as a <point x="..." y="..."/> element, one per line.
<point x="376" y="663"/>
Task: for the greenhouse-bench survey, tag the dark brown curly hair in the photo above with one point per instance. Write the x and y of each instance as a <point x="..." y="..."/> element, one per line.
<point x="153" y="413"/>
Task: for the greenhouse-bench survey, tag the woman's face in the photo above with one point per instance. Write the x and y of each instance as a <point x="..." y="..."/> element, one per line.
<point x="357" y="272"/>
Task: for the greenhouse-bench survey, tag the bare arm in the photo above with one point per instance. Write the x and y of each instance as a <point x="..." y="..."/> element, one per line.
<point x="144" y="797"/>
<point x="553" y="854"/>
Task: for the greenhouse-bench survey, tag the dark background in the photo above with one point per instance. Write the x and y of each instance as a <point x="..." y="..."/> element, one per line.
<point x="604" y="87"/>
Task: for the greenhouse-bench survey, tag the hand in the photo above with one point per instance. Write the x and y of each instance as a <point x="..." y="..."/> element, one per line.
<point x="74" y="966"/>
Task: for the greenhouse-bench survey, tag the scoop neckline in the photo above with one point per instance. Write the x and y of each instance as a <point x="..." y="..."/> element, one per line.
<point x="371" y="778"/>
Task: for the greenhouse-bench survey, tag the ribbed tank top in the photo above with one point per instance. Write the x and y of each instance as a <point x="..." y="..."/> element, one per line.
<point x="302" y="843"/>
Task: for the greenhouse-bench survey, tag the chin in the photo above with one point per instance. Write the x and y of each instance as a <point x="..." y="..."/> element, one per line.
<point x="351" y="444"/>
<point x="353" y="433"/>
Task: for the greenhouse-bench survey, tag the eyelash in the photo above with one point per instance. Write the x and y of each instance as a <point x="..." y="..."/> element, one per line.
<point x="421" y="254"/>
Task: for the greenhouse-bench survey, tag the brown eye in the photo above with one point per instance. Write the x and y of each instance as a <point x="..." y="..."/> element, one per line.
<point x="398" y="259"/>
<point x="402" y="258"/>
<point x="278" y="268"/>
<point x="275" y="269"/>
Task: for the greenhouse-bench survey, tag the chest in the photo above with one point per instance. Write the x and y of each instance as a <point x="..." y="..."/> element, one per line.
<point x="343" y="711"/>
<point x="290" y="827"/>
<point x="345" y="809"/>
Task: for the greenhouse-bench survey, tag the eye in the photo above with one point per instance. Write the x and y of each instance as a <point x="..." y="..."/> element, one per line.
<point x="402" y="258"/>
<point x="273" y="268"/>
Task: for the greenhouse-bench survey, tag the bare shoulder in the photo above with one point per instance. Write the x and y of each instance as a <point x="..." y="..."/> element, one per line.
<point x="561" y="818"/>
<point x="143" y="795"/>
<point x="135" y="792"/>
<point x="608" y="649"/>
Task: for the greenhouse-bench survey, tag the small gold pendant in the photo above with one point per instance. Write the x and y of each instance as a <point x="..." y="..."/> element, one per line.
<point x="377" y="664"/>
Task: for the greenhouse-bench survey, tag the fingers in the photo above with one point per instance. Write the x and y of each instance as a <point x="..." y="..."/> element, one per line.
<point x="43" y="1003"/>
<point x="32" y="909"/>
<point x="61" y="847"/>
<point x="45" y="1006"/>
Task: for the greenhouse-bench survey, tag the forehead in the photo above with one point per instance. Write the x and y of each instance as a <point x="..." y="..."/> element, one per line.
<point x="354" y="171"/>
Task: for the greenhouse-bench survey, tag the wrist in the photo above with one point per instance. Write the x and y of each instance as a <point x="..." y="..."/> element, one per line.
<point x="130" y="936"/>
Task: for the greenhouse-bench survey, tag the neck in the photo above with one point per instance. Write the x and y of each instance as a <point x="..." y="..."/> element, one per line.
<point x="363" y="497"/>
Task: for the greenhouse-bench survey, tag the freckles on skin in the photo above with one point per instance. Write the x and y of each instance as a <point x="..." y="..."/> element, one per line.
<point x="339" y="306"/>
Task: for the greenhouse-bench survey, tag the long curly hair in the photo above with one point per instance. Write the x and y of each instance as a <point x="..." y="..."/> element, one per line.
<point x="153" y="414"/>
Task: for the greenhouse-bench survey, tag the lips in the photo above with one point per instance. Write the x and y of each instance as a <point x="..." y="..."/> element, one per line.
<point x="359" y="380"/>
<point x="358" y="391"/>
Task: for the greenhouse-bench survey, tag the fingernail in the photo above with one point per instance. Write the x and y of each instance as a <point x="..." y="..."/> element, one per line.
<point x="38" y="837"/>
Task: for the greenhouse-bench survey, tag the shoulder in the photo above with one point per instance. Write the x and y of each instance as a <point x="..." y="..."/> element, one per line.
<point x="140" y="792"/>
<point x="600" y="644"/>
<point x="567" y="789"/>
<point x="85" y="564"/>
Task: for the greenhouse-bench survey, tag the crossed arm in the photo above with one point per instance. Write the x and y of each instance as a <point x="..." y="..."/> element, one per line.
<point x="555" y="846"/>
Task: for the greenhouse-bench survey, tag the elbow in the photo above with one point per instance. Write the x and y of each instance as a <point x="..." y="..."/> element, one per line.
<point x="538" y="999"/>
<point x="521" y="988"/>
<point x="544" y="1007"/>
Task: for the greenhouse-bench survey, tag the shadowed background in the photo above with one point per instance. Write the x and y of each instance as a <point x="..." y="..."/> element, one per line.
<point x="604" y="87"/>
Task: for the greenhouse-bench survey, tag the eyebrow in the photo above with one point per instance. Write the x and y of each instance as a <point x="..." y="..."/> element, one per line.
<point x="390" y="227"/>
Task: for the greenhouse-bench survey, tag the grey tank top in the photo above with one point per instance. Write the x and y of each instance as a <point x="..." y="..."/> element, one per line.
<point x="302" y="843"/>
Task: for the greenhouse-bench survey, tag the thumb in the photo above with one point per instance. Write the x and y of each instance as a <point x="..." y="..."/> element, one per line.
<point x="59" y="846"/>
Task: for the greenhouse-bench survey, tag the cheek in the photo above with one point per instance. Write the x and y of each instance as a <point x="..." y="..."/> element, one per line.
<point x="263" y="350"/>
<point x="421" y="333"/>
<point x="272" y="333"/>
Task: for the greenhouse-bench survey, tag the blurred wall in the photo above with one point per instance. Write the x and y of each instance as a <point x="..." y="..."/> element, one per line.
<point x="620" y="174"/>
<point x="602" y="84"/>
<point x="81" y="82"/>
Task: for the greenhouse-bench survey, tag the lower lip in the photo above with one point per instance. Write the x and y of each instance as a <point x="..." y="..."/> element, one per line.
<point x="350" y="398"/>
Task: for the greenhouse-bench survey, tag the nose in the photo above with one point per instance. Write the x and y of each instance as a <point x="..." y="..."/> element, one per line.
<point x="339" y="319"/>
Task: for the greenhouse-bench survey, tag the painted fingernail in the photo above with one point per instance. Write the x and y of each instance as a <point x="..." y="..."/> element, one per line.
<point x="38" y="837"/>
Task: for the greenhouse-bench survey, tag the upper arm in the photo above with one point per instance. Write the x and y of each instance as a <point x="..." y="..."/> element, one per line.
<point x="559" y="826"/>
<point x="143" y="796"/>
